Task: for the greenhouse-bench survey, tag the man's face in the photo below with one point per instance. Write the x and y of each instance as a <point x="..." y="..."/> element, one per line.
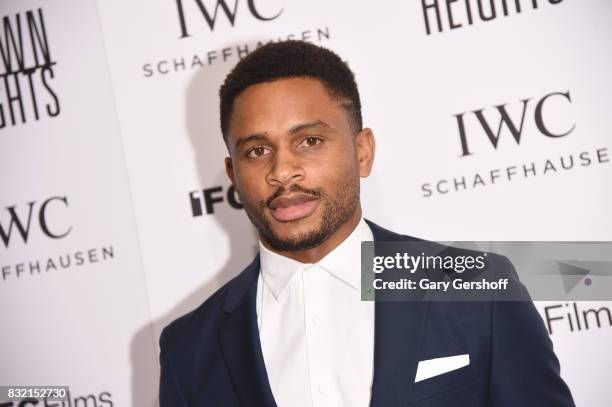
<point x="295" y="162"/>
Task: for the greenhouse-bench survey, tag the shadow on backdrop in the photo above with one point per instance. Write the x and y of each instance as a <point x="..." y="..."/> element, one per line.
<point x="202" y="119"/>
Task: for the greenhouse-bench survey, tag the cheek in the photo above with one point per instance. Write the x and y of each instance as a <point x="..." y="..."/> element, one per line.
<point x="338" y="169"/>
<point x="246" y="191"/>
<point x="250" y="185"/>
<point x="337" y="181"/>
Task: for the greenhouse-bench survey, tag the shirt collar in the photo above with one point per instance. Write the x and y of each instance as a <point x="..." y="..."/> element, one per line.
<point x="344" y="262"/>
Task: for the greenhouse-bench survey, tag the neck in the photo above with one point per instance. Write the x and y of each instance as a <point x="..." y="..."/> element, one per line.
<point x="317" y="253"/>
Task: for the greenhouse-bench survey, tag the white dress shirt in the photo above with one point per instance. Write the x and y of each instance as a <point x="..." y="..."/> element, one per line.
<point x="317" y="336"/>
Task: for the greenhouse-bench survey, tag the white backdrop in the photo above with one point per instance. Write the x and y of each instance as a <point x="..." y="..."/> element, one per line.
<point x="127" y="148"/>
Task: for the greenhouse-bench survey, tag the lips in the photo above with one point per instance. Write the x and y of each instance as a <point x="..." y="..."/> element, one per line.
<point x="292" y="207"/>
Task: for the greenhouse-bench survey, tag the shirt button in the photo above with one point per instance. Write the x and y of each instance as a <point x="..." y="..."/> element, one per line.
<point x="322" y="389"/>
<point x="316" y="320"/>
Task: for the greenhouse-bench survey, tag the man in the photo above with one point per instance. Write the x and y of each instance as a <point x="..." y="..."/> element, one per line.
<point x="291" y="330"/>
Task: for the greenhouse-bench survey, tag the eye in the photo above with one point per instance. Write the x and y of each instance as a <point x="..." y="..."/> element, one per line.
<point x="257" y="152"/>
<point x="310" y="141"/>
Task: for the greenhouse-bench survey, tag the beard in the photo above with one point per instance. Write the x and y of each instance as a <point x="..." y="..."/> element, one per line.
<point x="336" y="210"/>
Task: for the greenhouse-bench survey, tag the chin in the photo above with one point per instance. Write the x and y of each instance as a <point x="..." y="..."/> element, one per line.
<point x="296" y="228"/>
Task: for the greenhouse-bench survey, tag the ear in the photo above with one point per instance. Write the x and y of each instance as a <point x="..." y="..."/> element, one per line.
<point x="365" y="148"/>
<point x="229" y="170"/>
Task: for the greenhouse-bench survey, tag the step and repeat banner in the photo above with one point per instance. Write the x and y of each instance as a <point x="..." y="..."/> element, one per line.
<point x="492" y="121"/>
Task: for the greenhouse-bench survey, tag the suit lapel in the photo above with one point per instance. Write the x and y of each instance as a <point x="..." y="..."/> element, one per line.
<point x="398" y="333"/>
<point x="240" y="343"/>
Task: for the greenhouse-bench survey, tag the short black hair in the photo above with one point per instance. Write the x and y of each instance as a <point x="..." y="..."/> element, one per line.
<point x="287" y="59"/>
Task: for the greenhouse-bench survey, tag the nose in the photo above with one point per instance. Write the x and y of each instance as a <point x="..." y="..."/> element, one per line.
<point x="286" y="169"/>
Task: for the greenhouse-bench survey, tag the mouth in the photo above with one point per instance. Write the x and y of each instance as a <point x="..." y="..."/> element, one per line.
<point x="293" y="207"/>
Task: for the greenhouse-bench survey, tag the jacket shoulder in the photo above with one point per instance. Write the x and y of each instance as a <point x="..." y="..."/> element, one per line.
<point x="384" y="235"/>
<point x="188" y="326"/>
<point x="205" y="319"/>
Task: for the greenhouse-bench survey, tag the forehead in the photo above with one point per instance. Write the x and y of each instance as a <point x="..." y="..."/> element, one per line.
<point x="273" y="107"/>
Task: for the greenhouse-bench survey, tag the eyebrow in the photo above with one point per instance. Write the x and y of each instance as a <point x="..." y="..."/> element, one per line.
<point x="317" y="124"/>
<point x="253" y="137"/>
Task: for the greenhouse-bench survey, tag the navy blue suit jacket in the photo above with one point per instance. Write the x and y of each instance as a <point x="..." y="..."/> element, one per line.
<point x="212" y="356"/>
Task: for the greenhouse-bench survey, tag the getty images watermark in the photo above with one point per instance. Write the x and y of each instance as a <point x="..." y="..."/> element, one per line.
<point x="485" y="271"/>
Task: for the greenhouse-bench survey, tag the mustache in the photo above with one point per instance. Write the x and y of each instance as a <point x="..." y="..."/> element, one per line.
<point x="293" y="188"/>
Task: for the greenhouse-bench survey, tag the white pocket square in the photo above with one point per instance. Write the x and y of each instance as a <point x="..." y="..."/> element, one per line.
<point x="434" y="367"/>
